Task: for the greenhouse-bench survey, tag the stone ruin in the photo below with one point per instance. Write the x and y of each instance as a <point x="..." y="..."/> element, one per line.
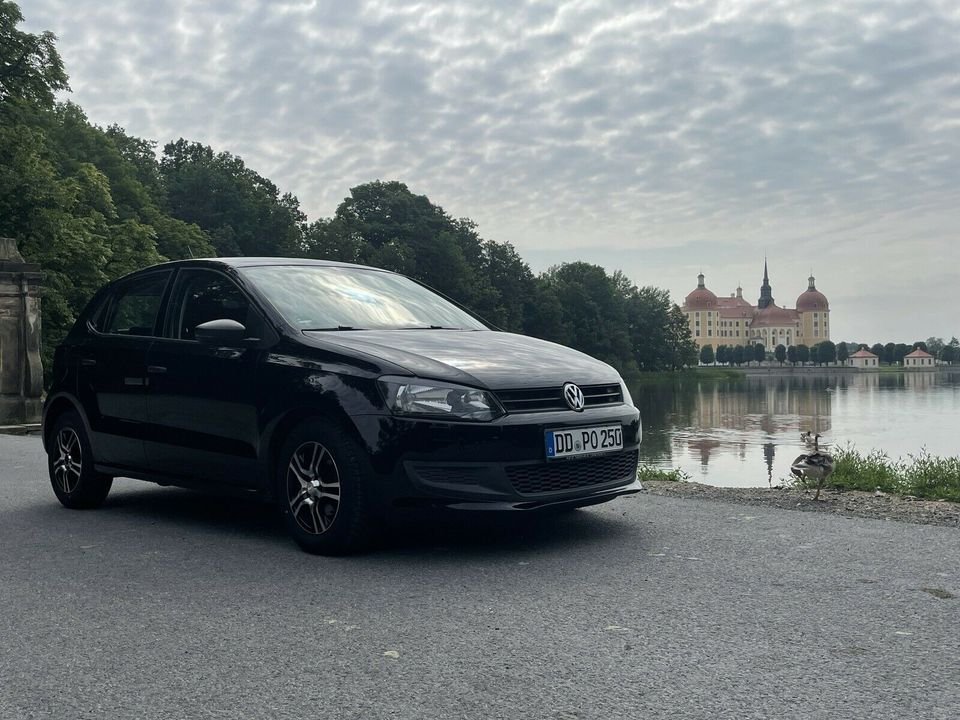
<point x="21" y="374"/>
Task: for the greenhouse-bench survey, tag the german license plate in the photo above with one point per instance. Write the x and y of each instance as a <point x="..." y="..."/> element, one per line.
<point x="583" y="441"/>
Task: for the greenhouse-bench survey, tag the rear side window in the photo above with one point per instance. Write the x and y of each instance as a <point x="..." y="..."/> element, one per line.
<point x="135" y="306"/>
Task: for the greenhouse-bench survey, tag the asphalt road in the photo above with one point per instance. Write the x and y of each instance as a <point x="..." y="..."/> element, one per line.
<point x="175" y="604"/>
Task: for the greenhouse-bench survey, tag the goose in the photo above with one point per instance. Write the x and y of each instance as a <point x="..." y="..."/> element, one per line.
<point x="816" y="465"/>
<point x="806" y="437"/>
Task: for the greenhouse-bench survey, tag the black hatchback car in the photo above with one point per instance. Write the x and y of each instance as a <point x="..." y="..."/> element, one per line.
<point x="338" y="391"/>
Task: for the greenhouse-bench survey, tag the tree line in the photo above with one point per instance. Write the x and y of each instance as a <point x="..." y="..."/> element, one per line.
<point x="827" y="352"/>
<point x="90" y="204"/>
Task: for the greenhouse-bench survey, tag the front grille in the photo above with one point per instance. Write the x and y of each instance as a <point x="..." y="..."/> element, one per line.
<point x="558" y="475"/>
<point x="551" y="398"/>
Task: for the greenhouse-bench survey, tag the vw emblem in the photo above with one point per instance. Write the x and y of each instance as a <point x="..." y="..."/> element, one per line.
<point x="574" y="396"/>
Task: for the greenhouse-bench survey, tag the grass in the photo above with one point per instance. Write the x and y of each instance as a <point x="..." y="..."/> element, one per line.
<point x="646" y="474"/>
<point x="923" y="475"/>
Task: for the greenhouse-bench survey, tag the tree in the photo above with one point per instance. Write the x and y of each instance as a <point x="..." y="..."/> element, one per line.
<point x="780" y="353"/>
<point x="900" y="351"/>
<point x="681" y="349"/>
<point x="827" y="352"/>
<point x="843" y="353"/>
<point x="739" y="355"/>
<point x="706" y="355"/>
<point x="890" y="353"/>
<point x="878" y="350"/>
<point x="920" y="345"/>
<point x="815" y="354"/>
<point x="30" y="66"/>
<point x="934" y="345"/>
<point x="948" y="354"/>
<point x="722" y="352"/>
<point x="803" y="354"/>
<point x="792" y="355"/>
<point x="759" y="353"/>
<point x="241" y="211"/>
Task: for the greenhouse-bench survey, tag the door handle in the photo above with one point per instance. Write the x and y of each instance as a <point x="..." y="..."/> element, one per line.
<point x="156" y="369"/>
<point x="87" y="362"/>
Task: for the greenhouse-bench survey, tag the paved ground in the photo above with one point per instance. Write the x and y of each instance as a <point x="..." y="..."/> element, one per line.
<point x="172" y="604"/>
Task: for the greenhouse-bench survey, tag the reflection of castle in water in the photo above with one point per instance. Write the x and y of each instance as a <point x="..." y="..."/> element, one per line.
<point x="763" y="406"/>
<point x="733" y="426"/>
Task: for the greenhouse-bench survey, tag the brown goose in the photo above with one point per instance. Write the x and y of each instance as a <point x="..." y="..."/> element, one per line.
<point x="816" y="465"/>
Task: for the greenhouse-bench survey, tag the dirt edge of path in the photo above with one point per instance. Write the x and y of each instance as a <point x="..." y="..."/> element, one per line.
<point x="849" y="503"/>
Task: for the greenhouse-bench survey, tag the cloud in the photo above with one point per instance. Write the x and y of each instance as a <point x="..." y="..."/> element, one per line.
<point x="824" y="134"/>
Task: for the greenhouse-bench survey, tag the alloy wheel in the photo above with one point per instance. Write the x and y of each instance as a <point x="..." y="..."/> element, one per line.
<point x="69" y="463"/>
<point x="313" y="487"/>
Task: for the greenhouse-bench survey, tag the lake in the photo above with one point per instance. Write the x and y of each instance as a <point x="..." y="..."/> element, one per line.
<point x="745" y="433"/>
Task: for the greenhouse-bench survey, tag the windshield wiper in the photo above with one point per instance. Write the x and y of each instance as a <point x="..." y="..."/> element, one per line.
<point x="330" y="329"/>
<point x="431" y="327"/>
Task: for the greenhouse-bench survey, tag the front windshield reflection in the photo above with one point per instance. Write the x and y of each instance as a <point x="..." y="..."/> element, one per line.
<point x="322" y="297"/>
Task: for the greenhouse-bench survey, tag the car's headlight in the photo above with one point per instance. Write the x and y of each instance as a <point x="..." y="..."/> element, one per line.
<point x="426" y="398"/>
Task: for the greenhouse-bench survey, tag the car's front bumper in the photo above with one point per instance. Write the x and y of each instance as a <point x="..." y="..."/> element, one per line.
<point x="500" y="465"/>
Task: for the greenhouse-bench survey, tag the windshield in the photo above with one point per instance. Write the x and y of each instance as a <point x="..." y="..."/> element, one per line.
<point x="322" y="297"/>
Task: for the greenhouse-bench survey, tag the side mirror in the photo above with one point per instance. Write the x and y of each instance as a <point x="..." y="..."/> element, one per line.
<point x="219" y="332"/>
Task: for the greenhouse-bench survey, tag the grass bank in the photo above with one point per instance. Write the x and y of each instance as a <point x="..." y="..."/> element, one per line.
<point x="649" y="474"/>
<point x="922" y="475"/>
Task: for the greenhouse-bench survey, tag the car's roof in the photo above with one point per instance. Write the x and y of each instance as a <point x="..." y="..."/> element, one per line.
<point x="244" y="262"/>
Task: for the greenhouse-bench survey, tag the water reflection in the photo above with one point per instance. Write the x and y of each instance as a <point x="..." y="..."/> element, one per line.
<point x="746" y="432"/>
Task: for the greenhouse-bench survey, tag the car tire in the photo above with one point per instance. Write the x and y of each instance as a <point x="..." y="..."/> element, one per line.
<point x="322" y="485"/>
<point x="75" y="482"/>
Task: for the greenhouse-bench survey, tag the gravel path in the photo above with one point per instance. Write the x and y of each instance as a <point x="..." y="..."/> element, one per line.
<point x="849" y="503"/>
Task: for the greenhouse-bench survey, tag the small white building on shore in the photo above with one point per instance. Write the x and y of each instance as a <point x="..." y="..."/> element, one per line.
<point x="917" y="360"/>
<point x="863" y="359"/>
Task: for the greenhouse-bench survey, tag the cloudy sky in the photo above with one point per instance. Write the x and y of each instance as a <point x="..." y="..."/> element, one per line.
<point x="652" y="137"/>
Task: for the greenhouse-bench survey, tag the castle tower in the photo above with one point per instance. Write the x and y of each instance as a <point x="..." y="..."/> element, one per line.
<point x="814" y="312"/>
<point x="766" y="292"/>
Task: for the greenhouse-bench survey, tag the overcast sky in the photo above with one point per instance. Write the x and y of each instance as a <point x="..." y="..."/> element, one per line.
<point x="654" y="138"/>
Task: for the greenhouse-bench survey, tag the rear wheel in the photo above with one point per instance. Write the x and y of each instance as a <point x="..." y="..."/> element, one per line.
<point x="322" y="482"/>
<point x="70" y="462"/>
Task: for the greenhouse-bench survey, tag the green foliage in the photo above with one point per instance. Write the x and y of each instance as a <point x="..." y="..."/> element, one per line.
<point x="878" y="350"/>
<point x="759" y="353"/>
<point x="645" y="473"/>
<point x="826" y="352"/>
<point x="843" y="352"/>
<point x="792" y="355"/>
<point x="723" y="352"/>
<point x="30" y="66"/>
<point x="706" y="355"/>
<point x="739" y="355"/>
<point x="922" y="475"/>
<point x="803" y="354"/>
<point x="242" y="212"/>
<point x="780" y="353"/>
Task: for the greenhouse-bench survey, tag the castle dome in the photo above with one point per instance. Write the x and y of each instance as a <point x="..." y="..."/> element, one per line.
<point x="812" y="299"/>
<point x="701" y="298"/>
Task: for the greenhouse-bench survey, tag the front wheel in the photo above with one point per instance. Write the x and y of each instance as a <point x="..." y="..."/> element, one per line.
<point x="70" y="462"/>
<point x="322" y="482"/>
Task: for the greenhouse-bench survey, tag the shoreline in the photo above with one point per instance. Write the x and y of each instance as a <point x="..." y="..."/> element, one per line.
<point x="847" y="503"/>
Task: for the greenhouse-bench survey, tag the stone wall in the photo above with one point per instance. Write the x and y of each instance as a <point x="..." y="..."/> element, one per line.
<point x="21" y="374"/>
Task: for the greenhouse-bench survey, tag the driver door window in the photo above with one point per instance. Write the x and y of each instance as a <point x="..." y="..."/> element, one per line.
<point x="202" y="296"/>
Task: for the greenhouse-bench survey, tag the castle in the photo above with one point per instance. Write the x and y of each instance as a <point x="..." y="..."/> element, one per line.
<point x="732" y="320"/>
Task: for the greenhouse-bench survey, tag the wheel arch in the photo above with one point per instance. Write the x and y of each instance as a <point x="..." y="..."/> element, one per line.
<point x="55" y="408"/>
<point x="278" y="430"/>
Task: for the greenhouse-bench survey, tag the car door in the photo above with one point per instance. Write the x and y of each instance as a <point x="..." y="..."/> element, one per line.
<point x="112" y="373"/>
<point x="202" y="399"/>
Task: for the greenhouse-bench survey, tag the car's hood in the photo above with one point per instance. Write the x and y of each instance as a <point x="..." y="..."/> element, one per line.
<point x="496" y="360"/>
